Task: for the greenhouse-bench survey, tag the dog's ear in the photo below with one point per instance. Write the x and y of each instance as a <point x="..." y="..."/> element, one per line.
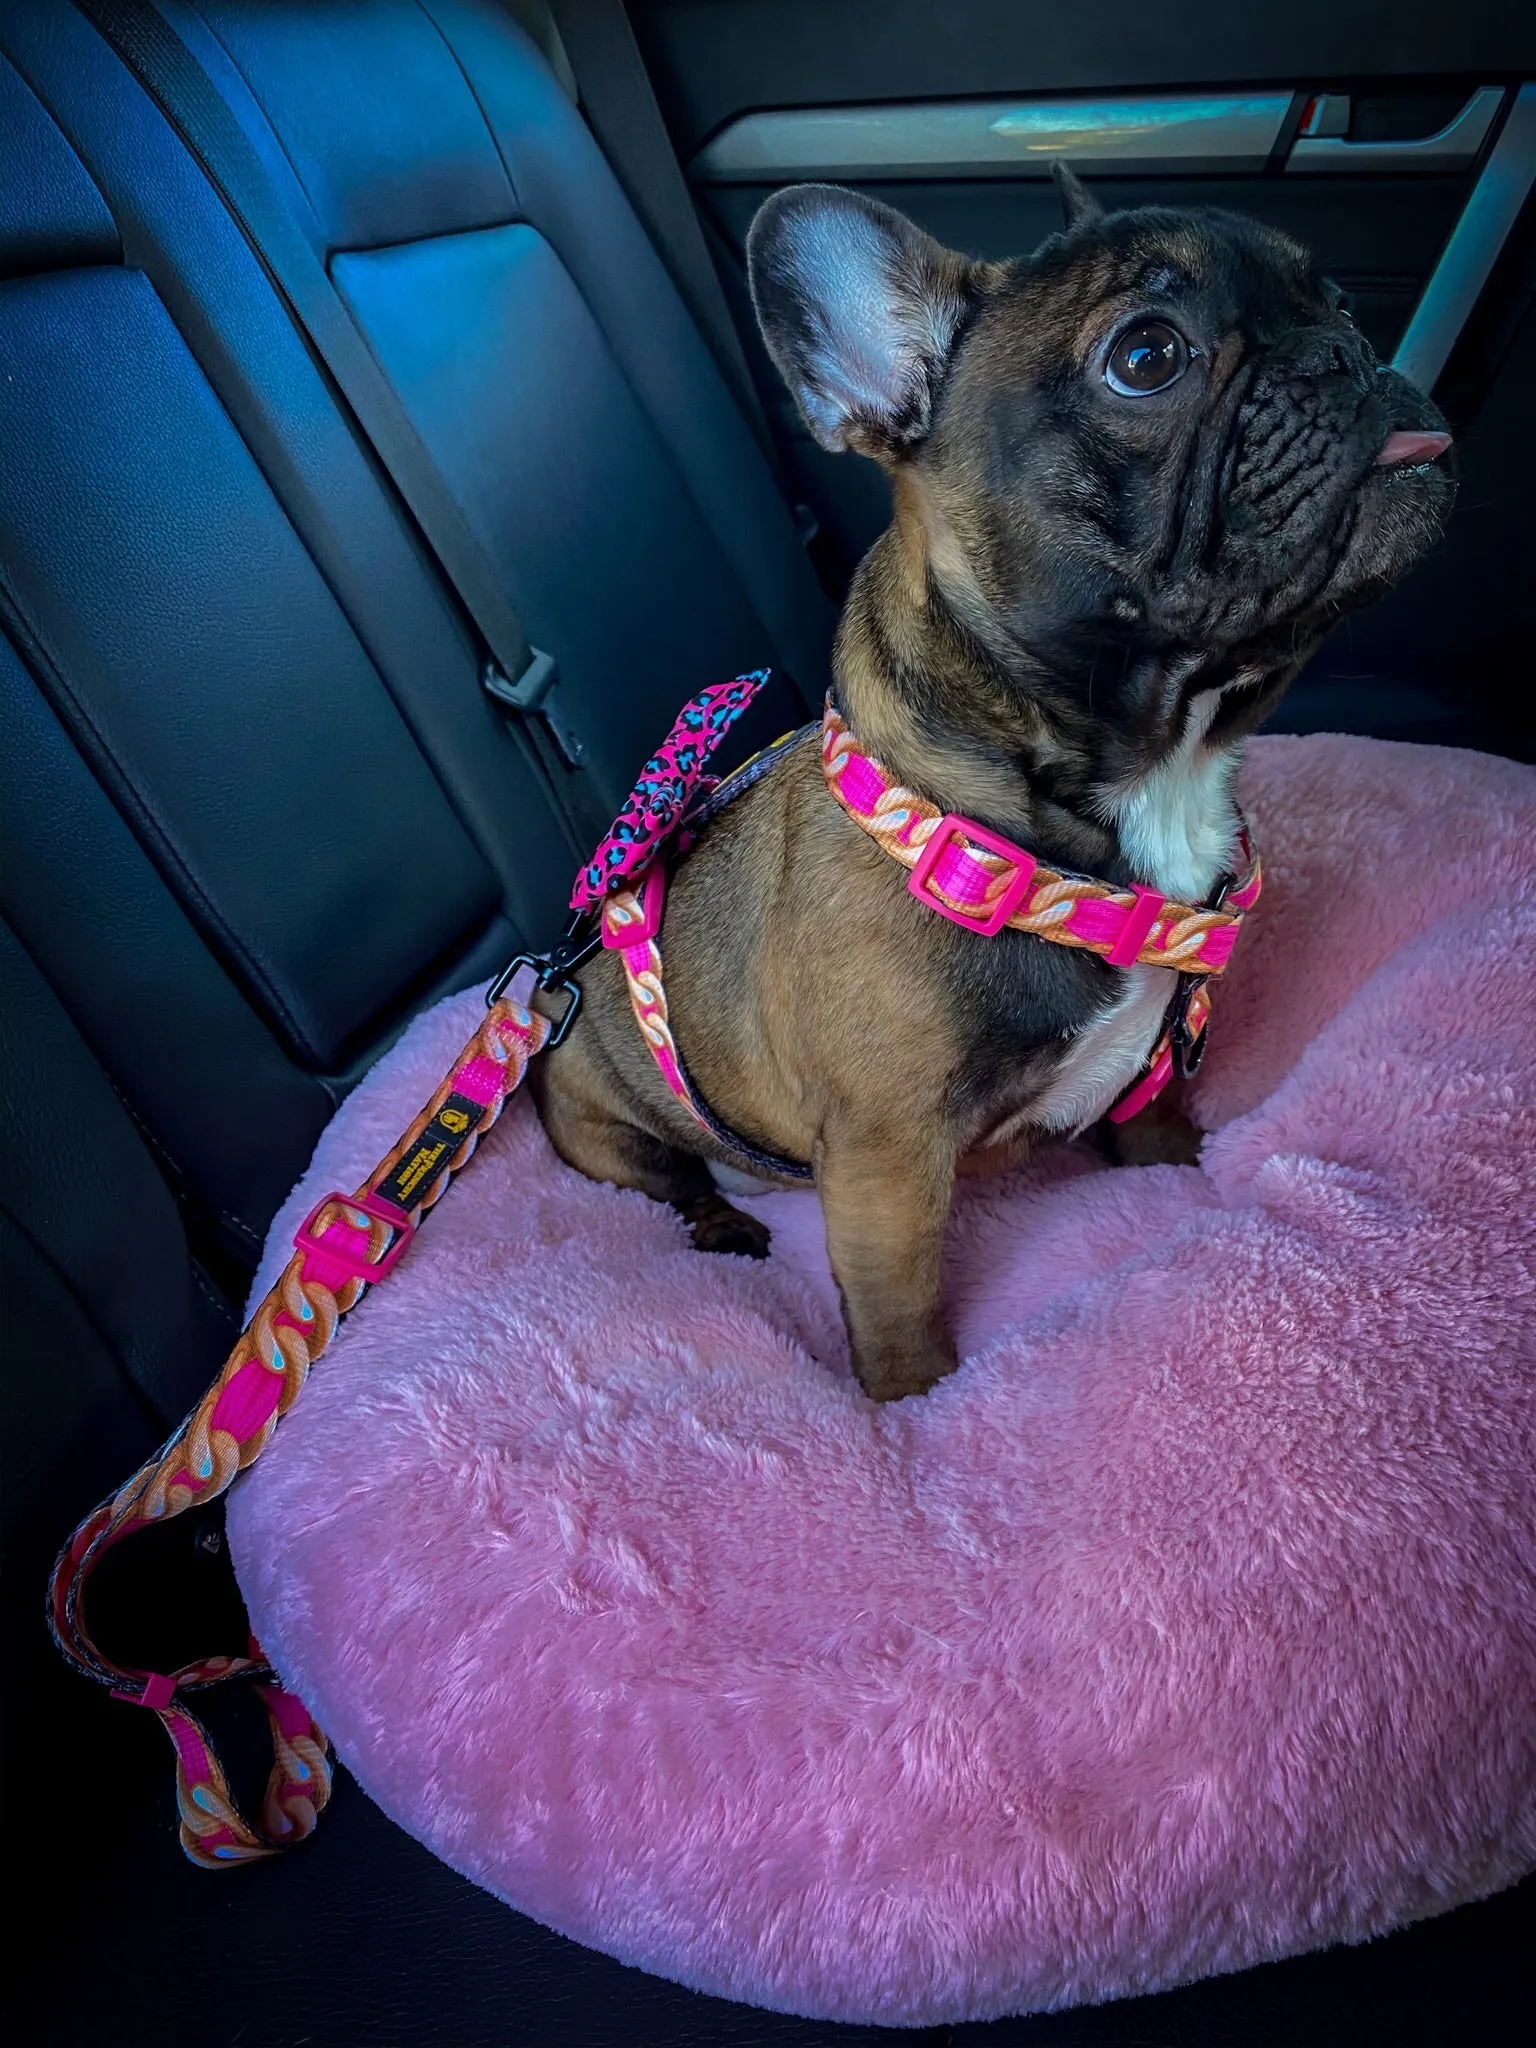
<point x="1078" y="205"/>
<point x="859" y="309"/>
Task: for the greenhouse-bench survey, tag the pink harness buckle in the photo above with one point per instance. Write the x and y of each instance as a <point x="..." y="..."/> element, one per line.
<point x="964" y="876"/>
<point x="352" y="1263"/>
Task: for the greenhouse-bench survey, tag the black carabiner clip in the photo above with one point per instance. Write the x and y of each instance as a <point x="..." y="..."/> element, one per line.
<point x="1188" y="1047"/>
<point x="553" y="971"/>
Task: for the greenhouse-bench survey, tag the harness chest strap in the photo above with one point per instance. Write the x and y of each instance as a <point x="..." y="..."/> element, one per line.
<point x="985" y="883"/>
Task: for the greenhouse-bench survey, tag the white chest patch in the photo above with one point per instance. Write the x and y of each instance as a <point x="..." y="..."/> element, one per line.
<point x="1177" y="828"/>
<point x="1176" y="824"/>
<point x="1106" y="1056"/>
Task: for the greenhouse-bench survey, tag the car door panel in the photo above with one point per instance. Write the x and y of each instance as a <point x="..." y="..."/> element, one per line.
<point x="1392" y="141"/>
<point x="712" y="60"/>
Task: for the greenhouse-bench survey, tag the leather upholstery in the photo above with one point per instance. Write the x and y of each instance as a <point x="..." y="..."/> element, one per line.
<point x="223" y="605"/>
<point x="90" y="1201"/>
<point x="205" y="671"/>
<point x="50" y="212"/>
<point x="257" y="812"/>
<point x="144" y="991"/>
<point x="480" y="326"/>
<point x="558" y="182"/>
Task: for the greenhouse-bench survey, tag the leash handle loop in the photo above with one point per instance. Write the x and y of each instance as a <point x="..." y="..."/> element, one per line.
<point x="347" y="1244"/>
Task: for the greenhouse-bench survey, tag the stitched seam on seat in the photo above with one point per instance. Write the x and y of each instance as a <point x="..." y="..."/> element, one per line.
<point x="224" y="1310"/>
<point x="42" y="660"/>
<point x="73" y="261"/>
<point x="495" y="140"/>
<point x="167" y="1161"/>
<point x="154" y="1414"/>
<point x="276" y="134"/>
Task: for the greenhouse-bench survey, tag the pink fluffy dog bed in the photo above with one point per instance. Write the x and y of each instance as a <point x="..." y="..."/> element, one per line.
<point x="1191" y="1623"/>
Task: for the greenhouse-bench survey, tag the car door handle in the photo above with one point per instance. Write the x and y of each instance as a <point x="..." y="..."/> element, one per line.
<point x="1452" y="148"/>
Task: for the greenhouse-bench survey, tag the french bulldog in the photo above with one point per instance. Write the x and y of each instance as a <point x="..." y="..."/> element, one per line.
<point x="1136" y="477"/>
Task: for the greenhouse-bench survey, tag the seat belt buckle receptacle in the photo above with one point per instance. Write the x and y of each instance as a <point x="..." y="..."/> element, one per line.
<point x="533" y="696"/>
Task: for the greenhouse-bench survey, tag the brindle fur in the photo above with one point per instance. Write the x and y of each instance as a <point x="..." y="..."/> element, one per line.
<point x="1067" y="574"/>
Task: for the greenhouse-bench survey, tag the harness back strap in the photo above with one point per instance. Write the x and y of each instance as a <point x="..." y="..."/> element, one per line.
<point x="625" y="880"/>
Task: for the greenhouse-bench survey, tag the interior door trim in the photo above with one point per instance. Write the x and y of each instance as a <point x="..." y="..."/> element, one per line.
<point x="1472" y="249"/>
<point x="1452" y="148"/>
<point x="1014" y="138"/>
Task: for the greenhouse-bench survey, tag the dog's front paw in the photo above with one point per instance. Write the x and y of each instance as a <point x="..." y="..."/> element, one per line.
<point x="1149" y="1140"/>
<point x="716" y="1226"/>
<point x="891" y="1373"/>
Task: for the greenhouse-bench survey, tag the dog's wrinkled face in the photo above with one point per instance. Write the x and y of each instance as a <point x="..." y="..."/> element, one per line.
<point x="1157" y="442"/>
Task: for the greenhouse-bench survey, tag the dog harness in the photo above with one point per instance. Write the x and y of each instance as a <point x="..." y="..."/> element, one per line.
<point x="985" y="884"/>
<point x="350" y="1242"/>
<point x="975" y="878"/>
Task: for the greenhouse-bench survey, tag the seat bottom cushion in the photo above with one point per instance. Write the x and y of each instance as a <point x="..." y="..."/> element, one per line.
<point x="1189" y="1625"/>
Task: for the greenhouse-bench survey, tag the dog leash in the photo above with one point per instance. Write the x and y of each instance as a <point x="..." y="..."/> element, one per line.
<point x="347" y="1245"/>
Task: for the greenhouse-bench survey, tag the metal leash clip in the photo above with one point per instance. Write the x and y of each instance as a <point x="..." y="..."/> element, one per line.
<point x="553" y="971"/>
<point x="1187" y="1043"/>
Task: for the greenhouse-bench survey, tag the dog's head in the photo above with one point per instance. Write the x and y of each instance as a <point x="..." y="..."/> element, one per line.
<point x="1153" y="458"/>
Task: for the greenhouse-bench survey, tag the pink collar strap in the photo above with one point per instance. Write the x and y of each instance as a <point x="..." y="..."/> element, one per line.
<point x="985" y="883"/>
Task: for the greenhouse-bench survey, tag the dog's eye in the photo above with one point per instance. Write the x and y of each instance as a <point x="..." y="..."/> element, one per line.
<point x="1147" y="357"/>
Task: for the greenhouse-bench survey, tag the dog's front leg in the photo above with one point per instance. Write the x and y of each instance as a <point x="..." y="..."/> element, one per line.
<point x="1159" y="1135"/>
<point x="886" y="1206"/>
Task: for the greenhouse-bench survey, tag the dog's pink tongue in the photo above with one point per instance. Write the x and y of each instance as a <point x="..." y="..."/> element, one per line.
<point x="1407" y="447"/>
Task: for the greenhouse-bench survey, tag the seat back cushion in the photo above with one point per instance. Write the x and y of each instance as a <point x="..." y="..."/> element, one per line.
<point x="484" y="248"/>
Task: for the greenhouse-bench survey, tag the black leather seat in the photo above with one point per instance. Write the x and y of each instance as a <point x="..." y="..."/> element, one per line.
<point x="225" y="638"/>
<point x="258" y="811"/>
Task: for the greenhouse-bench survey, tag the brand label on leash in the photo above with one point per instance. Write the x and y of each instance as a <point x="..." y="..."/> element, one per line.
<point x="413" y="1179"/>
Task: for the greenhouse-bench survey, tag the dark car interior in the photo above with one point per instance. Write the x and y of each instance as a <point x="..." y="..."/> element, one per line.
<point x="386" y="451"/>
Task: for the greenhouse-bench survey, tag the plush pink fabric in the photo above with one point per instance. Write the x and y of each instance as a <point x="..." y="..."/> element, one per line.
<point x="1191" y="1623"/>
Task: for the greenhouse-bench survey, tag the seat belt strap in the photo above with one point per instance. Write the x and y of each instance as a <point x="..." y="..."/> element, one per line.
<point x="513" y="672"/>
<point x="622" y="110"/>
